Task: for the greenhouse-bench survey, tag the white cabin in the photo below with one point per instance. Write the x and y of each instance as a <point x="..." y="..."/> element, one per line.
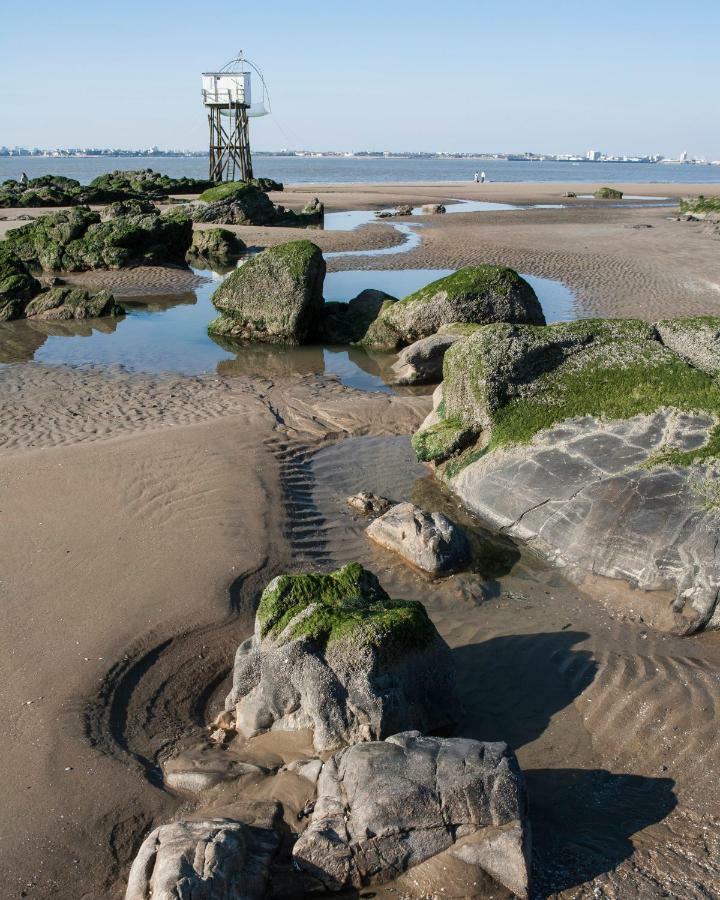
<point x="226" y="89"/>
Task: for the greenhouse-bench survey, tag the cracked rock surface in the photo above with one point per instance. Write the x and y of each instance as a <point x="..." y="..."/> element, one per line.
<point x="387" y="806"/>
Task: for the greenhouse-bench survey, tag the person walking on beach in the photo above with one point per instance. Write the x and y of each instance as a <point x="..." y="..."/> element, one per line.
<point x="477" y="177"/>
<point x="482" y="178"/>
<point x="23" y="178"/>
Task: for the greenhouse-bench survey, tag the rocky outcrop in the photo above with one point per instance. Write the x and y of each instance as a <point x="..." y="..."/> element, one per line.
<point x="348" y="323"/>
<point x="216" y="245"/>
<point x="608" y="193"/>
<point x="127" y="208"/>
<point x="17" y="284"/>
<point x="696" y="340"/>
<point x="65" y="303"/>
<point x="386" y="807"/>
<point x="277" y="296"/>
<point x="235" y="203"/>
<point x="475" y="295"/>
<point x="47" y="190"/>
<point x="429" y="541"/>
<point x="139" y="184"/>
<point x="208" y="859"/>
<point x="334" y="653"/>
<point x="598" y="446"/>
<point x="76" y="240"/>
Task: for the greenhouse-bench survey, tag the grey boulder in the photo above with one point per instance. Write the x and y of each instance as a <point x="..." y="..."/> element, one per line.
<point x="385" y="807"/>
<point x="369" y="504"/>
<point x="433" y="208"/>
<point x="429" y="541"/>
<point x="422" y="362"/>
<point x="211" y="859"/>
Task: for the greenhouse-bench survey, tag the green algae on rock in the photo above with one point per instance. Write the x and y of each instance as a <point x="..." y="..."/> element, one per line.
<point x="216" y="244"/>
<point x="348" y="323"/>
<point x="473" y="295"/>
<point x="17" y="284"/>
<point x="700" y="205"/>
<point x="347" y="604"/>
<point x="65" y="303"/>
<point x="608" y="193"/>
<point x="276" y="296"/>
<point x="125" y="185"/>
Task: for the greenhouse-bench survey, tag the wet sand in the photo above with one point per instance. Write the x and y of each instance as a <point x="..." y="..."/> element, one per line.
<point x="141" y="516"/>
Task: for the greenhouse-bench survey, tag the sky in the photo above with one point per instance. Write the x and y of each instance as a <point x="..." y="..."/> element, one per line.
<point x="555" y="77"/>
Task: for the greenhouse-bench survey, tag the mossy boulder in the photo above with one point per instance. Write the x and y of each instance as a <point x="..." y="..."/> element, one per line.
<point x="334" y="653"/>
<point x="276" y="296"/>
<point x="216" y="244"/>
<point x="17" y="284"/>
<point x="65" y="303"/>
<point x="47" y="190"/>
<point x="76" y="240"/>
<point x="608" y="193"/>
<point x="139" y="184"/>
<point x="473" y="295"/>
<point x="140" y="207"/>
<point x="235" y="203"/>
<point x="701" y="206"/>
<point x="348" y="323"/>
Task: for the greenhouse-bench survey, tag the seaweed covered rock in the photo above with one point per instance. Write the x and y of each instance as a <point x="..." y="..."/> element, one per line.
<point x="139" y="184"/>
<point x="696" y="339"/>
<point x="75" y="240"/>
<point x="235" y="203"/>
<point x="42" y="243"/>
<point x="475" y="294"/>
<point x="348" y="323"/>
<point x="386" y="807"/>
<point x="17" y="285"/>
<point x="428" y="541"/>
<point x="701" y="207"/>
<point x="597" y="445"/>
<point x="268" y="184"/>
<point x="334" y="653"/>
<point x="608" y="193"/>
<point x="216" y="244"/>
<point x="208" y="859"/>
<point x="139" y="207"/>
<point x="47" y="190"/>
<point x="276" y="296"/>
<point x="65" y="303"/>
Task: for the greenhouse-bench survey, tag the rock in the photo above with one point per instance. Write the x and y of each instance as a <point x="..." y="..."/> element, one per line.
<point x="127" y="208"/>
<point x="305" y="768"/>
<point x="571" y="195"/>
<point x="216" y="244"/>
<point x="65" y="303"/>
<point x="208" y="859"/>
<point x="384" y="214"/>
<point x="235" y="203"/>
<point x="347" y="323"/>
<point x="429" y="541"/>
<point x="700" y="207"/>
<point x="137" y="185"/>
<point x="369" y="504"/>
<point x="48" y="190"/>
<point x="335" y="654"/>
<point x="433" y="208"/>
<point x="268" y="184"/>
<point x="385" y="807"/>
<point x="277" y="296"/>
<point x="204" y="767"/>
<point x="607" y="193"/>
<point x="314" y="208"/>
<point x="76" y="240"/>
<point x="403" y="210"/>
<point x="422" y="362"/>
<point x="17" y="285"/>
<point x="474" y="295"/>
<point x="696" y="340"/>
<point x="597" y="446"/>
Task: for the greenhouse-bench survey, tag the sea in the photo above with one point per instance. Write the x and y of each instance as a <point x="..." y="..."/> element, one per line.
<point x="349" y="170"/>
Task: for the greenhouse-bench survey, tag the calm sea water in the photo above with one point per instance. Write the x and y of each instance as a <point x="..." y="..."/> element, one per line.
<point x="296" y="170"/>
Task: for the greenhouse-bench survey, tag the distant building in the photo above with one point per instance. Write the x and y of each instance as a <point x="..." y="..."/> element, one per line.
<point x="594" y="155"/>
<point x="684" y="156"/>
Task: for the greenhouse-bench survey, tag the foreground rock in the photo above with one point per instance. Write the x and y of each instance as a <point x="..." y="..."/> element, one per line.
<point x="422" y="362"/>
<point x="17" y="285"/>
<point x="428" y="541"/>
<point x="207" y="859"/>
<point x="335" y="654"/>
<point x="76" y="240"/>
<point x="598" y="446"/>
<point x="216" y="245"/>
<point x="474" y="295"/>
<point x="348" y="323"/>
<point x="65" y="303"/>
<point x="386" y="807"/>
<point x="277" y="296"/>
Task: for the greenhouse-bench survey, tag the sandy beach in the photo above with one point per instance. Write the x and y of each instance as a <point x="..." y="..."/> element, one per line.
<point x="141" y="516"/>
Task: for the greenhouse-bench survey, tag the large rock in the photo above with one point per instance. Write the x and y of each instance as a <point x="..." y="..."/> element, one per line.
<point x="474" y="295"/>
<point x="608" y="193"/>
<point x="429" y="541"/>
<point x="335" y="654"/>
<point x="422" y="362"/>
<point x="276" y="296"/>
<point x="76" y="240"/>
<point x="216" y="245"/>
<point x="207" y="859"/>
<point x="235" y="203"/>
<point x="386" y="807"/>
<point x="598" y="446"/>
<point x="17" y="285"/>
<point x="65" y="303"/>
<point x="347" y="323"/>
<point x="138" y="184"/>
<point x="696" y="339"/>
<point x="47" y="190"/>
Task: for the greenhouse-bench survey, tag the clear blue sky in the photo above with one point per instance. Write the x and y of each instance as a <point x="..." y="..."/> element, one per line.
<point x="550" y="76"/>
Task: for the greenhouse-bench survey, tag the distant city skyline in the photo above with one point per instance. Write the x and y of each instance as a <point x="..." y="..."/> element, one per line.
<point x="631" y="79"/>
